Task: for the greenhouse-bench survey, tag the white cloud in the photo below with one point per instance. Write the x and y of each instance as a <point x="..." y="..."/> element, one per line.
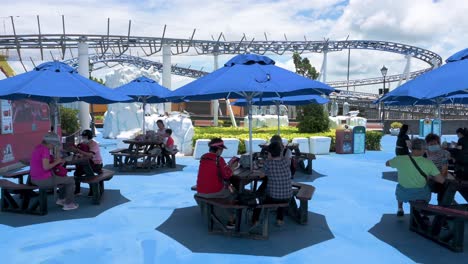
<point x="438" y="26"/>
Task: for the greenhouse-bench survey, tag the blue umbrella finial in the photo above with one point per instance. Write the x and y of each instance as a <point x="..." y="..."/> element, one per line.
<point x="461" y="55"/>
<point x="249" y="59"/>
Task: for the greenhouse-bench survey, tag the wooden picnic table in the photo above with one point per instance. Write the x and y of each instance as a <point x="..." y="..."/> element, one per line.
<point x="136" y="150"/>
<point x="141" y="145"/>
<point x="243" y="176"/>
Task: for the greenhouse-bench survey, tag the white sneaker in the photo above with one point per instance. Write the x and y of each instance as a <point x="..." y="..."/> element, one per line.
<point x="60" y="202"/>
<point x="70" y="206"/>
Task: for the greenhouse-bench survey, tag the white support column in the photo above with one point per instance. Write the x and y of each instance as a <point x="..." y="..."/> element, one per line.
<point x="215" y="103"/>
<point x="166" y="73"/>
<point x="406" y="71"/>
<point x="83" y="70"/>
<point x="323" y="69"/>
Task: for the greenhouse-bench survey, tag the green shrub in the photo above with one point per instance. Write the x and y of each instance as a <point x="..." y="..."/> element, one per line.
<point x="69" y="120"/>
<point x="98" y="117"/>
<point x="396" y="125"/>
<point x="372" y="137"/>
<point x="312" y="119"/>
<point x="373" y="140"/>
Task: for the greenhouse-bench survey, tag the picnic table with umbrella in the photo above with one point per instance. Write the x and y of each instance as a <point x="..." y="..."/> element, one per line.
<point x="54" y="83"/>
<point x="434" y="87"/>
<point x="249" y="76"/>
<point x="145" y="91"/>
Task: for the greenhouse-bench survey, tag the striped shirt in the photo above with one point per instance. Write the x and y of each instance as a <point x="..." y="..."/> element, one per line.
<point x="279" y="178"/>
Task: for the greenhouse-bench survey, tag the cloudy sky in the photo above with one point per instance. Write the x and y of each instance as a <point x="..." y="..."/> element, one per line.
<point x="439" y="26"/>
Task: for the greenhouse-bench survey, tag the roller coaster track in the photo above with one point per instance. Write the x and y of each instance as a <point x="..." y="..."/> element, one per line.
<point x="120" y="44"/>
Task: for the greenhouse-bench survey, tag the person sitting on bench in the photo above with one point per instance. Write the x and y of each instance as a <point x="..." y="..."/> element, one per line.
<point x="286" y="153"/>
<point x="167" y="147"/>
<point x="213" y="176"/>
<point x="41" y="171"/>
<point x="88" y="148"/>
<point x="440" y="157"/>
<point x="412" y="184"/>
<point x="277" y="182"/>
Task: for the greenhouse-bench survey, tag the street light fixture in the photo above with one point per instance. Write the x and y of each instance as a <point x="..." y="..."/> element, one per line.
<point x="384" y="71"/>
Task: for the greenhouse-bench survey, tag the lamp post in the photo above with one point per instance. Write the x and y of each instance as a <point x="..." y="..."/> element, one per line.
<point x="384" y="74"/>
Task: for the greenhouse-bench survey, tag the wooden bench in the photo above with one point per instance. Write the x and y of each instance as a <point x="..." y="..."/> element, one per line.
<point x="9" y="204"/>
<point x="374" y="127"/>
<point x="97" y="183"/>
<point x="17" y="175"/>
<point x="300" y="158"/>
<point x="303" y="193"/>
<point x="115" y="153"/>
<point x="454" y="216"/>
<point x="203" y="123"/>
<point x="213" y="219"/>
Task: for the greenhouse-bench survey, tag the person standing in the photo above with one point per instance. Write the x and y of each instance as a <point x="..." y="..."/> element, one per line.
<point x="403" y="143"/>
<point x="41" y="166"/>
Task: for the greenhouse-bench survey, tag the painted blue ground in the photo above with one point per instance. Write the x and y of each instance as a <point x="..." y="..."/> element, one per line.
<point x="352" y="195"/>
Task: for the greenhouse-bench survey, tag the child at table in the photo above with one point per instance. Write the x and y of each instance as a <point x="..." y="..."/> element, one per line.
<point x="88" y="148"/>
<point x="167" y="148"/>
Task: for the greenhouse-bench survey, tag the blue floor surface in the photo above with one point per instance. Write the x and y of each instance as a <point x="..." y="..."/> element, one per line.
<point x="153" y="219"/>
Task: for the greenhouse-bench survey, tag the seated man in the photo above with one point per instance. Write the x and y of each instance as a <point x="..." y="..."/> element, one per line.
<point x="277" y="183"/>
<point x="412" y="184"/>
<point x="213" y="175"/>
<point x="88" y="148"/>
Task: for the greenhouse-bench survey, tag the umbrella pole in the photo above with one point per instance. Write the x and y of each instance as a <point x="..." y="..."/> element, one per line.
<point x="249" y="103"/>
<point x="144" y="116"/>
<point x="278" y="112"/>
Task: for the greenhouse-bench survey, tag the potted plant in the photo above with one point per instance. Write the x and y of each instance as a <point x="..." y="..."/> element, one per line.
<point x="395" y="128"/>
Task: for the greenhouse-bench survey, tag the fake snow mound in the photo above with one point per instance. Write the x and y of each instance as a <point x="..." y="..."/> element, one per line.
<point x="124" y="120"/>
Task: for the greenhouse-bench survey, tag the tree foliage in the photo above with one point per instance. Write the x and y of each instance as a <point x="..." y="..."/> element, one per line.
<point x="312" y="118"/>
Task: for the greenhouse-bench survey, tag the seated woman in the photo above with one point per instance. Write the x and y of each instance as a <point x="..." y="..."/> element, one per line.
<point x="277" y="184"/>
<point x="41" y="171"/>
<point x="88" y="148"/>
<point x="440" y="158"/>
<point x="213" y="175"/>
<point x="412" y="185"/>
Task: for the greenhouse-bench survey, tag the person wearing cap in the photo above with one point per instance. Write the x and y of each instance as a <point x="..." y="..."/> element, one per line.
<point x="412" y="185"/>
<point x="214" y="174"/>
<point x="41" y="171"/>
<point x="88" y="148"/>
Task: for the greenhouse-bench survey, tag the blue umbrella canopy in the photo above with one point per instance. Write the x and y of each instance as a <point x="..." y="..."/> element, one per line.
<point x="250" y="75"/>
<point x="144" y="89"/>
<point x="289" y="100"/>
<point x="449" y="79"/>
<point x="56" y="82"/>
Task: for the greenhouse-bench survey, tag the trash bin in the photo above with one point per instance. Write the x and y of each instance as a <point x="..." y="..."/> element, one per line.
<point x="359" y="139"/>
<point x="425" y="127"/>
<point x="437" y="126"/>
<point x="344" y="140"/>
<point x="319" y="145"/>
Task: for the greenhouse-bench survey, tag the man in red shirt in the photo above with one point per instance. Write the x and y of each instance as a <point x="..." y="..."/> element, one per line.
<point x="214" y="172"/>
<point x="213" y="176"/>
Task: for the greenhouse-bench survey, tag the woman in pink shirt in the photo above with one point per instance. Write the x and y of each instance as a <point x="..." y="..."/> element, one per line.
<point x="41" y="171"/>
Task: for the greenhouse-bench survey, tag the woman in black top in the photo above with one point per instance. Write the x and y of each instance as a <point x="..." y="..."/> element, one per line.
<point x="403" y="141"/>
<point x="461" y="154"/>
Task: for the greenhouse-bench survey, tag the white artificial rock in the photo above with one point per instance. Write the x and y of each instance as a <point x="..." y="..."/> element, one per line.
<point x="124" y="120"/>
<point x="336" y="121"/>
<point x="255" y="144"/>
<point x="232" y="145"/>
<point x="319" y="145"/>
<point x="266" y="121"/>
<point x="303" y="143"/>
<point x="201" y="147"/>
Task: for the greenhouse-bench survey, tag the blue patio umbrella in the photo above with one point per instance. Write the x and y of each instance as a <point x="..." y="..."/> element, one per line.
<point x="145" y="91"/>
<point x="56" y="82"/>
<point x="289" y="100"/>
<point x="249" y="76"/>
<point x="449" y="79"/>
